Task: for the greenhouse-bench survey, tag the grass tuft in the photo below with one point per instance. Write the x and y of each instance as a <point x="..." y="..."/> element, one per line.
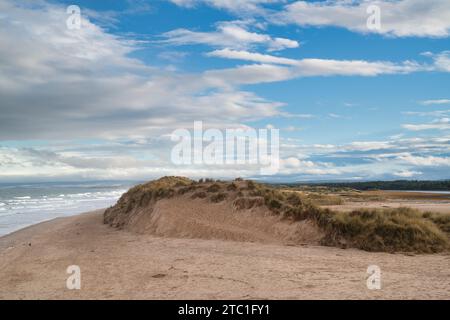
<point x="214" y="188"/>
<point x="219" y="197"/>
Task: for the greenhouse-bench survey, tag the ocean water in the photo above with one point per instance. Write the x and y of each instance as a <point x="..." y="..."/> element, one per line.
<point x="22" y="205"/>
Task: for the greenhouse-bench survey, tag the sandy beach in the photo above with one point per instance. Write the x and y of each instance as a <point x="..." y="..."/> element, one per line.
<point x="117" y="264"/>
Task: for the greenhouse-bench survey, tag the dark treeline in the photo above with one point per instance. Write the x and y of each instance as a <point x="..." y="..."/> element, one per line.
<point x="442" y="185"/>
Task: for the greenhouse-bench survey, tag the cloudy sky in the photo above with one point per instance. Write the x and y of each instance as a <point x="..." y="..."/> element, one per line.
<point x="101" y="101"/>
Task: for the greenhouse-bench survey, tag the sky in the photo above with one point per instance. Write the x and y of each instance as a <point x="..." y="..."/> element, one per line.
<point x="101" y="102"/>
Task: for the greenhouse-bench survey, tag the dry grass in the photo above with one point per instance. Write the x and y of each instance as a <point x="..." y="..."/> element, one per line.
<point x="142" y="195"/>
<point x="199" y="195"/>
<point x="246" y="203"/>
<point x="390" y="230"/>
<point x="219" y="197"/>
<point x="214" y="188"/>
<point x="400" y="229"/>
<point x="325" y="199"/>
<point x="440" y="219"/>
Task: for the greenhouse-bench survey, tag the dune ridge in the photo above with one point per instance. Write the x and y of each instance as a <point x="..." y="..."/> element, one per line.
<point x="206" y="212"/>
<point x="247" y="211"/>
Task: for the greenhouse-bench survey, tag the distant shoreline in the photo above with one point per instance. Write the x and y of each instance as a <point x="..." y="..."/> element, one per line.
<point x="421" y="191"/>
<point x="22" y="205"/>
<point x="398" y="185"/>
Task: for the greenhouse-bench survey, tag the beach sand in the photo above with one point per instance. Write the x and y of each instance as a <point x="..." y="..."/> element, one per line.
<point x="117" y="264"/>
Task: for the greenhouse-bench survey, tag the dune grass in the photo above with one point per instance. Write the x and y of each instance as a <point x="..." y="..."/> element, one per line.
<point x="390" y="230"/>
<point x="218" y="197"/>
<point x="324" y="199"/>
<point x="400" y="229"/>
<point x="442" y="220"/>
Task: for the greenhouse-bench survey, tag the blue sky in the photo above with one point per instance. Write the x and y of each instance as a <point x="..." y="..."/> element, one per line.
<point x="351" y="103"/>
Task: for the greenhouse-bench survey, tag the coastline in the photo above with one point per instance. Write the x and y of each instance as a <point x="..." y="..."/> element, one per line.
<point x="22" y="204"/>
<point x="117" y="264"/>
<point x="50" y="220"/>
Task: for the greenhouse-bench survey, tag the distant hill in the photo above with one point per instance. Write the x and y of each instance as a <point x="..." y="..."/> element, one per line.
<point x="441" y="185"/>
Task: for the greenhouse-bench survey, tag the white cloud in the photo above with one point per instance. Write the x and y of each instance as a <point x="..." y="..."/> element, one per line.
<point x="35" y="164"/>
<point x="401" y="18"/>
<point x="436" y="101"/>
<point x="61" y="83"/>
<point x="294" y="165"/>
<point x="293" y="162"/>
<point x="234" y="34"/>
<point x="435" y="113"/>
<point x="438" y="124"/>
<point x="369" y="145"/>
<point x="335" y="116"/>
<point x="236" y="6"/>
<point x="441" y="60"/>
<point x="407" y="173"/>
<point x="324" y="67"/>
<point x="251" y="56"/>
<point x="173" y="56"/>
<point x="427" y="161"/>
<point x="81" y="83"/>
<point x="115" y="160"/>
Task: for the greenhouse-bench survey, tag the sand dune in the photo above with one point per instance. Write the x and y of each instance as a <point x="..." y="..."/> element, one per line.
<point x="192" y="213"/>
<point x="247" y="211"/>
<point x="118" y="264"/>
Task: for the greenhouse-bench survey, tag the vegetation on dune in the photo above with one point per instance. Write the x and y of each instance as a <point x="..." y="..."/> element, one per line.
<point x="246" y="203"/>
<point x="232" y="187"/>
<point x="401" y="229"/>
<point x="214" y="188"/>
<point x="141" y="196"/>
<point x="440" y="219"/>
<point x="199" y="195"/>
<point x="389" y="230"/>
<point x="325" y="199"/>
<point x="219" y="197"/>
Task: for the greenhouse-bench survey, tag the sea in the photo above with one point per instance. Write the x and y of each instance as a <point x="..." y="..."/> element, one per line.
<point x="22" y="205"/>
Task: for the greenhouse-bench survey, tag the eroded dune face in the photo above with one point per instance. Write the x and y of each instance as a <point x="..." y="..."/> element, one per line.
<point x="224" y="211"/>
<point x="182" y="217"/>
